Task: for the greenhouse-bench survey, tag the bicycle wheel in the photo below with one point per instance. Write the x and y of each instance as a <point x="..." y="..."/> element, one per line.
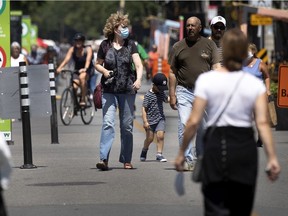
<point x="67" y="106"/>
<point x="87" y="112"/>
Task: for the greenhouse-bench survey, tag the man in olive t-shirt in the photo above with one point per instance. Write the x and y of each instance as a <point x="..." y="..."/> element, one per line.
<point x="189" y="58"/>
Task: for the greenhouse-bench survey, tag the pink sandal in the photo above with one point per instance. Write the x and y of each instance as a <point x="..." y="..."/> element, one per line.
<point x="128" y="166"/>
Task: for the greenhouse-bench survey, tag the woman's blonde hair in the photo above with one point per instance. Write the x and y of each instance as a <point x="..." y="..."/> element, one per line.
<point x="253" y="49"/>
<point x="115" y="20"/>
<point x="235" y="48"/>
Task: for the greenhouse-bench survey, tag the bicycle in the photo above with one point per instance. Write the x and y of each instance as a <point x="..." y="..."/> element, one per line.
<point x="70" y="103"/>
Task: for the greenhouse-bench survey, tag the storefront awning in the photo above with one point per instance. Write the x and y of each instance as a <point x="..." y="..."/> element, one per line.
<point x="277" y="14"/>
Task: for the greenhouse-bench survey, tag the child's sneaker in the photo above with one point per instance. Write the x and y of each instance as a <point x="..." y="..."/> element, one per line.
<point x="160" y="158"/>
<point x="143" y="155"/>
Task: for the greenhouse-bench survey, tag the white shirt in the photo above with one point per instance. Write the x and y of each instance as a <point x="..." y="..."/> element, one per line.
<point x="5" y="163"/>
<point x="15" y="62"/>
<point x="216" y="87"/>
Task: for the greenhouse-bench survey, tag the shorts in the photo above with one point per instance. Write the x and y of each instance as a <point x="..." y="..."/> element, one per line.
<point x="160" y="126"/>
<point x="77" y="74"/>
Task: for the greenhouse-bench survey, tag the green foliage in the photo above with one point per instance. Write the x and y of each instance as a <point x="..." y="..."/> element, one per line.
<point x="57" y="19"/>
<point x="274" y="89"/>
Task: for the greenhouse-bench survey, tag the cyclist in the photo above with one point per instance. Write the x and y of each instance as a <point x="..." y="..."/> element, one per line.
<point x="82" y="57"/>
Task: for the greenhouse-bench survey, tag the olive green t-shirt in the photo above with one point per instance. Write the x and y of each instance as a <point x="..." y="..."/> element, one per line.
<point x="189" y="59"/>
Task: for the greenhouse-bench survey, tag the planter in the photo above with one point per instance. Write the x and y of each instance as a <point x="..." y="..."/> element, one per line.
<point x="282" y="118"/>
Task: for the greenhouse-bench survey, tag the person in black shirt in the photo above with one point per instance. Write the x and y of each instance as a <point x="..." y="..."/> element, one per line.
<point x="82" y="57"/>
<point x="120" y="83"/>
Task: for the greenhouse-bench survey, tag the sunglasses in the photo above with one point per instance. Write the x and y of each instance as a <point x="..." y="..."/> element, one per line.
<point x="220" y="27"/>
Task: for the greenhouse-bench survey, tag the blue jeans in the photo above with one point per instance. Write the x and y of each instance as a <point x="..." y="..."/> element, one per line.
<point x="185" y="99"/>
<point x="125" y="103"/>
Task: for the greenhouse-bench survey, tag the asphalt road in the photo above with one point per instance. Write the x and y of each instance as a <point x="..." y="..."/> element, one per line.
<point x="66" y="181"/>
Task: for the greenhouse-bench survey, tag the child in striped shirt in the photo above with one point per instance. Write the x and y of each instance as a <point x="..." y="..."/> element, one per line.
<point x="153" y="116"/>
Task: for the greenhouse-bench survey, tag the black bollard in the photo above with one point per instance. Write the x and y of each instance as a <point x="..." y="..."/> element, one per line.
<point x="25" y="116"/>
<point x="53" y="118"/>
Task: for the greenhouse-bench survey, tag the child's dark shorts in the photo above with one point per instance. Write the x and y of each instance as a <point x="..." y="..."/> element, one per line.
<point x="160" y="126"/>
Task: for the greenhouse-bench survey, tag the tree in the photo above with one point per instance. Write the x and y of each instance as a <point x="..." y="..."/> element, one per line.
<point x="61" y="19"/>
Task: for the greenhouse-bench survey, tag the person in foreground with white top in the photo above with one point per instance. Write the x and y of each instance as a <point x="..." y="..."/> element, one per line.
<point x="230" y="159"/>
<point x="5" y="172"/>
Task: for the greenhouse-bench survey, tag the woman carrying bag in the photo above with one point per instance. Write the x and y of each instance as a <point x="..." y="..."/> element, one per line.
<point x="120" y="84"/>
<point x="230" y="159"/>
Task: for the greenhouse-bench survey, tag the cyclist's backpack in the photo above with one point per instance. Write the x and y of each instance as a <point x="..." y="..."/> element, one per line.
<point x="97" y="96"/>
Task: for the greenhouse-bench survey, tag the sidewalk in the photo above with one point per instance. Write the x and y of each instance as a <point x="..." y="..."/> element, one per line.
<point x="66" y="181"/>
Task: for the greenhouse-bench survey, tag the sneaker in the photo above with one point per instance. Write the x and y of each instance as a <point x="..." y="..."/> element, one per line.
<point x="161" y="158"/>
<point x="143" y="155"/>
<point x="188" y="164"/>
<point x="102" y="165"/>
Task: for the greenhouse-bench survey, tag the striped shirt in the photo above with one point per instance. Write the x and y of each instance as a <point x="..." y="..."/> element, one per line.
<point x="153" y="104"/>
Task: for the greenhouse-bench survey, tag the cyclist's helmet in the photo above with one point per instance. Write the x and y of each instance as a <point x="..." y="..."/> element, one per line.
<point x="79" y="36"/>
<point x="50" y="49"/>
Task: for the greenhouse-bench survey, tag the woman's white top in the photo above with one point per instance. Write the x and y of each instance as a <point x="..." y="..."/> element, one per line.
<point x="15" y="62"/>
<point x="215" y="87"/>
<point x="5" y="163"/>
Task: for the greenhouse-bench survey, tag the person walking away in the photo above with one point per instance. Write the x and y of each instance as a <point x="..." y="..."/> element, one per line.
<point x="82" y="57"/>
<point x="189" y="58"/>
<point x="16" y="55"/>
<point x="120" y="84"/>
<point x="5" y="171"/>
<point x="153" y="116"/>
<point x="218" y="27"/>
<point x="230" y="159"/>
<point x="258" y="68"/>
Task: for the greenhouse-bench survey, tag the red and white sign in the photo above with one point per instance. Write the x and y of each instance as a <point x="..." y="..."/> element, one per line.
<point x="3" y="58"/>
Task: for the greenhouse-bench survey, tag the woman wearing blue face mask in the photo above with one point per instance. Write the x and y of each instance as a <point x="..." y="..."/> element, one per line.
<point x="120" y="84"/>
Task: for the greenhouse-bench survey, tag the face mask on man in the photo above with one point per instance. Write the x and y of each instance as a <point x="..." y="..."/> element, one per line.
<point x="124" y="33"/>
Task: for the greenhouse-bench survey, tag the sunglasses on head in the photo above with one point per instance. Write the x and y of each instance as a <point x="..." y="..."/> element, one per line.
<point x="221" y="27"/>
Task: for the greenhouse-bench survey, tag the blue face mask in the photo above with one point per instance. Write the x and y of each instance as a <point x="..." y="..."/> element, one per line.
<point x="124" y="33"/>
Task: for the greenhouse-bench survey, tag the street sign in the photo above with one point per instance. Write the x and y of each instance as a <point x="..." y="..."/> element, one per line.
<point x="6" y="128"/>
<point x="3" y="58"/>
<point x="256" y="20"/>
<point x="261" y="3"/>
<point x="282" y="100"/>
<point x="262" y="54"/>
